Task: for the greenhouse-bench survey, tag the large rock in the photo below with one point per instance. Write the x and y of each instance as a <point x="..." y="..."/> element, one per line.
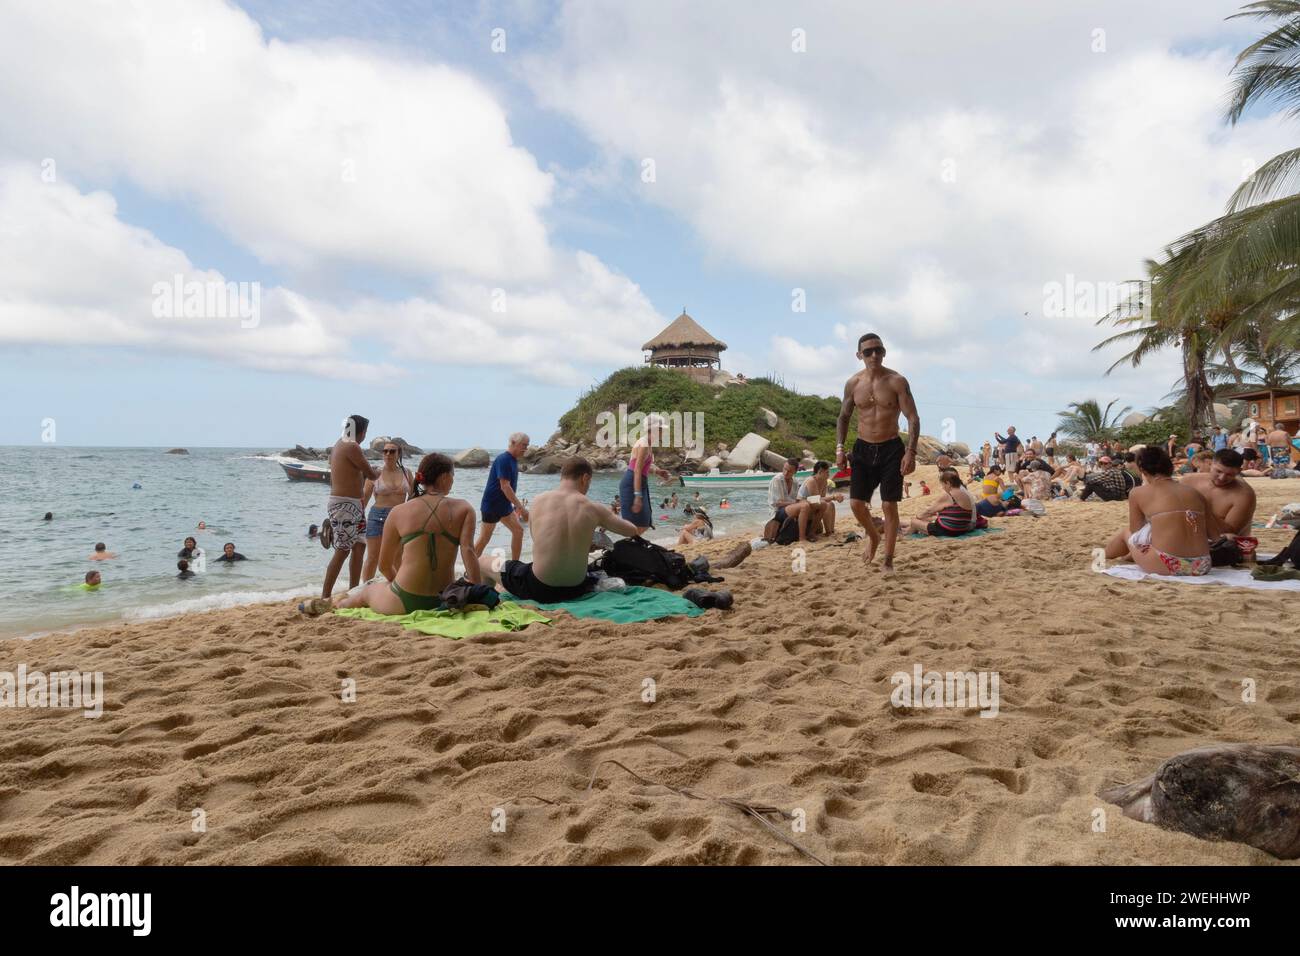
<point x="928" y="449"/>
<point x="771" y="460"/>
<point x="708" y="464"/>
<point x="178" y="451"/>
<point x="959" y="449"/>
<point x="746" y="453"/>
<point x="548" y="465"/>
<point x="1224" y="415"/>
<point x="1133" y="419"/>
<point x="305" y="454"/>
<point x="472" y="458"/>
<point x="767" y="417"/>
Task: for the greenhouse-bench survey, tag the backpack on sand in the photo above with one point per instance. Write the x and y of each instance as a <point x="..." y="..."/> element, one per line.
<point x="639" y="562"/>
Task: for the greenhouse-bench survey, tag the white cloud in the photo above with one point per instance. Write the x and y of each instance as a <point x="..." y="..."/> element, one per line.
<point x="75" y="274"/>
<point x="305" y="153"/>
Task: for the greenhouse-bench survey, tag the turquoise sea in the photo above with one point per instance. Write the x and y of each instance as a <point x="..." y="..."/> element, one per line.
<point x="242" y="496"/>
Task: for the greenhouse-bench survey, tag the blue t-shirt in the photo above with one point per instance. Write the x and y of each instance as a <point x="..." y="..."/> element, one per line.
<point x="494" y="501"/>
<point x="1011" y="443"/>
<point x="1219" y="442"/>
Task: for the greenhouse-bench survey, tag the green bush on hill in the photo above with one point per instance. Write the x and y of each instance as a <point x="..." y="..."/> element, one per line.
<point x="729" y="413"/>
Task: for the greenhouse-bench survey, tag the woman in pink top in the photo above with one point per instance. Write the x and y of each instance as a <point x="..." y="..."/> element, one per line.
<point x="632" y="490"/>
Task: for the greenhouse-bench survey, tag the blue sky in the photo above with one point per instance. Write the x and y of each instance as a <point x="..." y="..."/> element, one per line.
<point x="927" y="192"/>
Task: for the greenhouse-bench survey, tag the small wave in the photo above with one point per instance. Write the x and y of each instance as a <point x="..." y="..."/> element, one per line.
<point x="213" y="602"/>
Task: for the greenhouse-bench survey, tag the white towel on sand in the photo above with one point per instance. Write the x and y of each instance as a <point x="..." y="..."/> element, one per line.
<point x="1234" y="577"/>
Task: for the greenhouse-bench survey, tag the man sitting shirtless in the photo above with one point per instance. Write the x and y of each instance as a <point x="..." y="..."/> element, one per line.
<point x="562" y="521"/>
<point x="1231" y="501"/>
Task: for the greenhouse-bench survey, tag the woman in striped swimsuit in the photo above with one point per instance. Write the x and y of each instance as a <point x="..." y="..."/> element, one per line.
<point x="953" y="513"/>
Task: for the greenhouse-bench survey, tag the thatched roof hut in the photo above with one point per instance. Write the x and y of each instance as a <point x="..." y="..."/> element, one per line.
<point x="685" y="345"/>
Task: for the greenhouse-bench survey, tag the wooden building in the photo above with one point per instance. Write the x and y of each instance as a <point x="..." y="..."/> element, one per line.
<point x="1269" y="405"/>
<point x="686" y="347"/>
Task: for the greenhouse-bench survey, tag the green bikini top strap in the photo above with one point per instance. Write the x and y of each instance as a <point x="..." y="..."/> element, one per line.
<point x="433" y="551"/>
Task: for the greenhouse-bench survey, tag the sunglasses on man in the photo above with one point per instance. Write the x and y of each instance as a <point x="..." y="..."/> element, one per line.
<point x="874" y="350"/>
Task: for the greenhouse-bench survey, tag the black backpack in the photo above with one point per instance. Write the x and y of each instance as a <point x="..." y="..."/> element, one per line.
<point x="638" y="561"/>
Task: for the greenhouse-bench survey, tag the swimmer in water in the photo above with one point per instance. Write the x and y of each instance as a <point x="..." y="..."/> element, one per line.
<point x="184" y="567"/>
<point x="93" y="580"/>
<point x="203" y="526"/>
<point x="313" y="531"/>
<point x="188" y="550"/>
<point x="49" y="516"/>
<point x="229" y="554"/>
<point x="102" y="553"/>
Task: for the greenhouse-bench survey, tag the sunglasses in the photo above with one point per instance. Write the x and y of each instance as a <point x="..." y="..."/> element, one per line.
<point x="874" y="350"/>
<point x="390" y="451"/>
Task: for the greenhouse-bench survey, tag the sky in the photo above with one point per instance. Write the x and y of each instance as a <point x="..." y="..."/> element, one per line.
<point x="234" y="224"/>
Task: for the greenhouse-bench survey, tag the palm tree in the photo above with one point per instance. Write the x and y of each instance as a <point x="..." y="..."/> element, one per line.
<point x="1085" y="421"/>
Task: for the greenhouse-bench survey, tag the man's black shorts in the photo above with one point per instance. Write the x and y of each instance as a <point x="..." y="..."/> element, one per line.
<point x="518" y="578"/>
<point x="877" y="464"/>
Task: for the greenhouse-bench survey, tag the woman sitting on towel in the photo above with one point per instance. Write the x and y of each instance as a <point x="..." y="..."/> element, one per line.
<point x="426" y="531"/>
<point x="953" y="513"/>
<point x="1167" y="528"/>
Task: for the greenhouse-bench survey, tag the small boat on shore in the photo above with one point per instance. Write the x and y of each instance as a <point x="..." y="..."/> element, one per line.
<point x="305" y="471"/>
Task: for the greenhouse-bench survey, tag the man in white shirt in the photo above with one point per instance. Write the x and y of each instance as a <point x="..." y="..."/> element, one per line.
<point x="1091" y="449"/>
<point x="783" y="498"/>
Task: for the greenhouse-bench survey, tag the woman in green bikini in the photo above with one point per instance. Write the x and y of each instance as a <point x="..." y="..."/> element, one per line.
<point x="426" y="531"/>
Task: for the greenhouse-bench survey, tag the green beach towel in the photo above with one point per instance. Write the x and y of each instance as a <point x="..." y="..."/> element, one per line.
<point x="628" y="606"/>
<point x="455" y="624"/>
<point x="974" y="533"/>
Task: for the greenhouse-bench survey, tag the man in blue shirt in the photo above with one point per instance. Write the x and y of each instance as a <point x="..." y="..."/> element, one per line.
<point x="499" y="500"/>
<point x="1220" y="440"/>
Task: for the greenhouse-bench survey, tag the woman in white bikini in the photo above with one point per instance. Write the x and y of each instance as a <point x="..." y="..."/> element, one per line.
<point x="1168" y="532"/>
<point x="391" y="488"/>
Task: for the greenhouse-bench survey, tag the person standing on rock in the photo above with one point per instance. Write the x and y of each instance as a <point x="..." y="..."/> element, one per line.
<point x="500" y="504"/>
<point x="349" y="470"/>
<point x="879" y="458"/>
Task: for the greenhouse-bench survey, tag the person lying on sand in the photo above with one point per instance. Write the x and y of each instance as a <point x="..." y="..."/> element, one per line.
<point x="953" y="514"/>
<point x="562" y="521"/>
<point x="1168" y="522"/>
<point x="1231" y="500"/>
<point x="427" y="531"/>
<point x="1251" y="466"/>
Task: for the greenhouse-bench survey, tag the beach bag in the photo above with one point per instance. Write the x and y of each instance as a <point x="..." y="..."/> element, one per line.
<point x="460" y="595"/>
<point x="1034" y="507"/>
<point x="788" y="532"/>
<point x="638" y="561"/>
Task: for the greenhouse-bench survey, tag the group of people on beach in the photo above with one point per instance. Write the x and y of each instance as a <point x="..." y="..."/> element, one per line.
<point x="421" y="529"/>
<point x="415" y="529"/>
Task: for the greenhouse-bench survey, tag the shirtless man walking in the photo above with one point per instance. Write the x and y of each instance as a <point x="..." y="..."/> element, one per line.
<point x="349" y="470"/>
<point x="879" y="459"/>
<point x="1230" y="500"/>
<point x="1279" y="450"/>
<point x="562" y="521"/>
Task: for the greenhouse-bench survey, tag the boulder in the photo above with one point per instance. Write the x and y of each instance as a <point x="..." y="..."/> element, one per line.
<point x="547" y="465"/>
<point x="708" y="464"/>
<point x="746" y="453"/>
<point x="1133" y="419"/>
<point x="928" y="449"/>
<point x="305" y="454"/>
<point x="771" y="460"/>
<point x="959" y="449"/>
<point x="767" y="417"/>
<point x="177" y="451"/>
<point x="472" y="458"/>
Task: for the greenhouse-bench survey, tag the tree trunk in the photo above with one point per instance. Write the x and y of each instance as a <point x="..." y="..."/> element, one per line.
<point x="1200" y="397"/>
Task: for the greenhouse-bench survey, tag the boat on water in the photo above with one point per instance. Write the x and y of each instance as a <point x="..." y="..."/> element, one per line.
<point x="305" y="470"/>
<point x="753" y="479"/>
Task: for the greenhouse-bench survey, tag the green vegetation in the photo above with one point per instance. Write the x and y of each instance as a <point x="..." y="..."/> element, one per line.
<point x="806" y="421"/>
<point x="1086" y="421"/>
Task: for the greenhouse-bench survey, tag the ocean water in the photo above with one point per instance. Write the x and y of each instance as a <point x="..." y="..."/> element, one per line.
<point x="241" y="495"/>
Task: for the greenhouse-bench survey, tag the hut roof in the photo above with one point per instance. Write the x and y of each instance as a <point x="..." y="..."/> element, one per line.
<point x="684" y="332"/>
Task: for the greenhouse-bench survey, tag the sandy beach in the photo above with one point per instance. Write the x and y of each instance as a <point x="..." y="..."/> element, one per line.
<point x="783" y="701"/>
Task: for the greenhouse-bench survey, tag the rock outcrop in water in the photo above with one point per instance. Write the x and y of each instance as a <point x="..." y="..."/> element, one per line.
<point x="178" y="451"/>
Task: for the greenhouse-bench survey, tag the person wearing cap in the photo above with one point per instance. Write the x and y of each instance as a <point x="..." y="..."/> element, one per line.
<point x="1171" y="447"/>
<point x="699" y="528"/>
